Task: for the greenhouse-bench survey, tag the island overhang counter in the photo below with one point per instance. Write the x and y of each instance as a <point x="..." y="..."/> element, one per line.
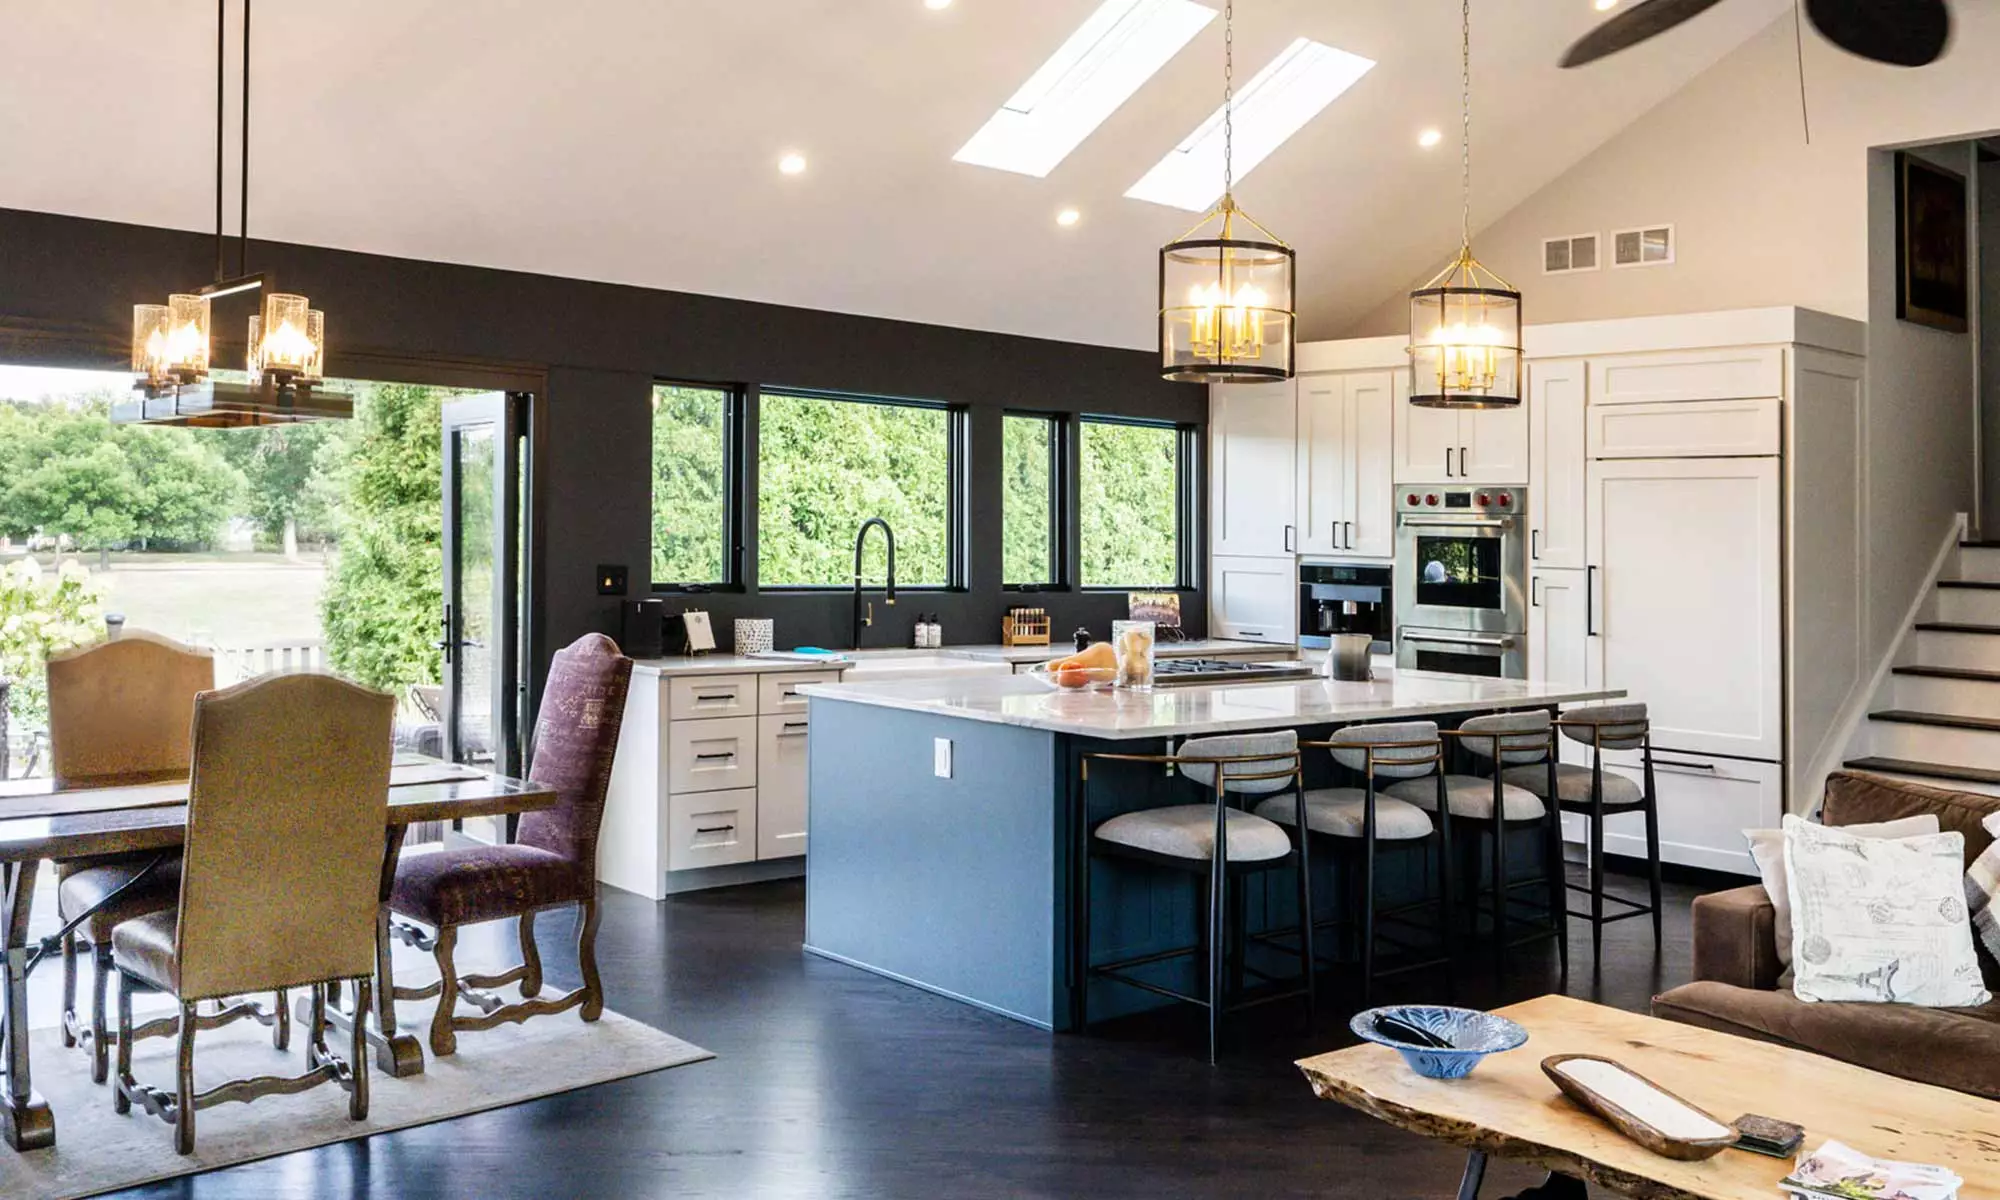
<point x="944" y="817"/>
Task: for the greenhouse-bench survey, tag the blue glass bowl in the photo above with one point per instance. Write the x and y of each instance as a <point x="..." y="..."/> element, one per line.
<point x="1473" y="1035"/>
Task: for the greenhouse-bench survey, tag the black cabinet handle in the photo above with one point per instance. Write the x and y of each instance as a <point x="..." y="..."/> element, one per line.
<point x="1590" y="601"/>
<point x="1686" y="766"/>
<point x="1348" y="542"/>
<point x="701" y="699"/>
<point x="1534" y="543"/>
<point x="1447" y="462"/>
<point x="712" y="757"/>
<point x="1535" y="592"/>
<point x="1289" y="532"/>
<point x="714" y="828"/>
<point x="1464" y="463"/>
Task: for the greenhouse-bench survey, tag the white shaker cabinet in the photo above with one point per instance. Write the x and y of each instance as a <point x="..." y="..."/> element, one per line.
<point x="1255" y="599"/>
<point x="1346" y="435"/>
<point x="1558" y="463"/>
<point x="1252" y="431"/>
<point x="1559" y="627"/>
<point x="1460" y="445"/>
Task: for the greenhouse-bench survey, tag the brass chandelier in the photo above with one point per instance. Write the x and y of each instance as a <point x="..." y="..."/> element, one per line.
<point x="1227" y="286"/>
<point x="1465" y="324"/>
<point x="286" y="343"/>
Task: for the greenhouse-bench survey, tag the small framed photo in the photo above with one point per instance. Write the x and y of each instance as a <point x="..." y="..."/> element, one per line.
<point x="1931" y="245"/>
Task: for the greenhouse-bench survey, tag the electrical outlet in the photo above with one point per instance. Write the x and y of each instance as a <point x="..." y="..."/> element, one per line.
<point x="941" y="757"/>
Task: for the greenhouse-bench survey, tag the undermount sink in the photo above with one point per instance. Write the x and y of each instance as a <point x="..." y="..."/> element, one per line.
<point x="884" y="668"/>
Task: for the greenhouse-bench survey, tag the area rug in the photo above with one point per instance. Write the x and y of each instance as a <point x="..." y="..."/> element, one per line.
<point x="97" y="1150"/>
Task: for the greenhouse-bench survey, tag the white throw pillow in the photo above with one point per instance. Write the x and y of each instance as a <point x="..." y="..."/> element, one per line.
<point x="1767" y="850"/>
<point x="1982" y="891"/>
<point x="1880" y="921"/>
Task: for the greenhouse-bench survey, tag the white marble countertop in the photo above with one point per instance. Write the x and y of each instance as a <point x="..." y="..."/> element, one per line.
<point x="1200" y="709"/>
<point x="729" y="664"/>
<point x="1193" y="648"/>
<point x="734" y="664"/>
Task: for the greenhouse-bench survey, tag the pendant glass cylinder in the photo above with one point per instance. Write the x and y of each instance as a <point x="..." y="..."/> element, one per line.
<point x="186" y="354"/>
<point x="1465" y="346"/>
<point x="316" y="335"/>
<point x="1227" y="304"/>
<point x="285" y="347"/>
<point x="149" y="340"/>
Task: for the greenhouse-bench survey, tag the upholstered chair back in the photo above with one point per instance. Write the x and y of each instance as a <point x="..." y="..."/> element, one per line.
<point x="283" y="862"/>
<point x="575" y="738"/>
<point x="1523" y="737"/>
<point x="124" y="707"/>
<point x="1408" y="762"/>
<point x="1282" y="746"/>
<point x="1618" y="726"/>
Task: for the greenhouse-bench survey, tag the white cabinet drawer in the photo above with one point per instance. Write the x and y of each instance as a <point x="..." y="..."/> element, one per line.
<point x="780" y="693"/>
<point x="1696" y="429"/>
<point x="695" y="696"/>
<point x="708" y="756"/>
<point x="711" y="829"/>
<point x="1705" y="805"/>
<point x="1688" y="375"/>
<point x="781" y="785"/>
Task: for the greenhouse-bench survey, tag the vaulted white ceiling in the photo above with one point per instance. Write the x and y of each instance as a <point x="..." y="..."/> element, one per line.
<point x="636" y="141"/>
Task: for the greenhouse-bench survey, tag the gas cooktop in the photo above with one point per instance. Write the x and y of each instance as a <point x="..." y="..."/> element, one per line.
<point x="1176" y="672"/>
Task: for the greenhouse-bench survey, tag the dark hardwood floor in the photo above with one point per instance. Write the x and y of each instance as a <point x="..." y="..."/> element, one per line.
<point x="830" y="1082"/>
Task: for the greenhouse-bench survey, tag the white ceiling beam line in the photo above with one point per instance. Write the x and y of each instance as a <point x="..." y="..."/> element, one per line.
<point x="1108" y="59"/>
<point x="1279" y="100"/>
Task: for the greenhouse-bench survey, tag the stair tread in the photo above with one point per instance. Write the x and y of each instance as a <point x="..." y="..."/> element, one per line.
<point x="1929" y="770"/>
<point x="1954" y="627"/>
<point x="1982" y="544"/>
<point x="1904" y="716"/>
<point x="1972" y="674"/>
<point x="1988" y="585"/>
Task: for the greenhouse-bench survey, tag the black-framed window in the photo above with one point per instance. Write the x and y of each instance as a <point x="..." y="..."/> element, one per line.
<point x="826" y="463"/>
<point x="1032" y="484"/>
<point x="697" y="449"/>
<point x="1135" y="503"/>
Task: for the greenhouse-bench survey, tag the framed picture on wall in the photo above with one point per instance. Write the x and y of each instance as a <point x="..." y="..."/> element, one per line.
<point x="1931" y="245"/>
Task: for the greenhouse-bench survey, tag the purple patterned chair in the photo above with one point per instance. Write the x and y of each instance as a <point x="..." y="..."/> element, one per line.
<point x="552" y="863"/>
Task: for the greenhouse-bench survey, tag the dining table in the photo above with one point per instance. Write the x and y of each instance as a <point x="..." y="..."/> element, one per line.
<point x="44" y="820"/>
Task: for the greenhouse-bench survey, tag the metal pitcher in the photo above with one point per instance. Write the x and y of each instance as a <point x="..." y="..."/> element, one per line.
<point x="1350" y="657"/>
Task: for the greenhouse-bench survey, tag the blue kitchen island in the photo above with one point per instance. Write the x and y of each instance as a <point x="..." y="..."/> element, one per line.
<point x="945" y="814"/>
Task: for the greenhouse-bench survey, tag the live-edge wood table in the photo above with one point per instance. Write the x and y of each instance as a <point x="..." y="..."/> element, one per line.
<point x="141" y="815"/>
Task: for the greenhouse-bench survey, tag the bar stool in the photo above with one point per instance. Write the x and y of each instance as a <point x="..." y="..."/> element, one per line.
<point x="1596" y="794"/>
<point x="1211" y="839"/>
<point x="1404" y="750"/>
<point x="1521" y="742"/>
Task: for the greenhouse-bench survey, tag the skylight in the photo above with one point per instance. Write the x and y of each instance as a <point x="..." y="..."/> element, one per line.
<point x="1122" y="45"/>
<point x="1273" y="106"/>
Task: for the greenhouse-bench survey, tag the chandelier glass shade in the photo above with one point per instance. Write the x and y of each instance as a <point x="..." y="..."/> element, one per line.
<point x="1465" y="339"/>
<point x="287" y="340"/>
<point x="1227" y="290"/>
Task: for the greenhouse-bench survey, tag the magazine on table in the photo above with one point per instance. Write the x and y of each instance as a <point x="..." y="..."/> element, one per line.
<point x="1839" y="1172"/>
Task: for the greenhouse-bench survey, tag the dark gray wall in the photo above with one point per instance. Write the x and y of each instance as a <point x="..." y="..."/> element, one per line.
<point x="591" y="352"/>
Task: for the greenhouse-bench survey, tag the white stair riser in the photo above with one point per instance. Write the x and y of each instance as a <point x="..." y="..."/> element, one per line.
<point x="1969" y="606"/>
<point x="1959" y="697"/>
<point x="1933" y="744"/>
<point x="1978" y="562"/>
<point x="1979" y="651"/>
<point x="1955" y="785"/>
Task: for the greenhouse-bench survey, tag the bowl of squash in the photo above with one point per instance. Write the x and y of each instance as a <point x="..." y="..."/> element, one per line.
<point x="1087" y="670"/>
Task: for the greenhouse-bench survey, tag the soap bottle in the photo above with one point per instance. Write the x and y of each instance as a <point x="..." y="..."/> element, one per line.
<point x="936" y="633"/>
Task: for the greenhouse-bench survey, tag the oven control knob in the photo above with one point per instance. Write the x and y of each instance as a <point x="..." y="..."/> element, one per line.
<point x="1431" y="500"/>
<point x="1484" y="500"/>
<point x="1415" y="499"/>
<point x="1505" y="499"/>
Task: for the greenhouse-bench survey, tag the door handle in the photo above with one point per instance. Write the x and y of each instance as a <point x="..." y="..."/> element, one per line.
<point x="1464" y="464"/>
<point x="1447" y="462"/>
<point x="1290" y="533"/>
<point x="1535" y="592"/>
<point x="1590" y="601"/>
<point x="1534" y="543"/>
<point x="1348" y="539"/>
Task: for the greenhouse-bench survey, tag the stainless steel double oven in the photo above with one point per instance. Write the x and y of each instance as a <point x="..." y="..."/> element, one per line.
<point x="1462" y="580"/>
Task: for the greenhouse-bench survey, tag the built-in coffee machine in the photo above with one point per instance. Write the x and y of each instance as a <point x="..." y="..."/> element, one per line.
<point x="1347" y="598"/>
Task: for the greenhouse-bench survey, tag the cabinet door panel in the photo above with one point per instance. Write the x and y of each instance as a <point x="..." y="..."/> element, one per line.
<point x="1493" y="445"/>
<point x="1255" y="599"/>
<point x="1558" y="638"/>
<point x="1371" y="438"/>
<point x="1426" y="443"/>
<point x="1558" y="462"/>
<point x="781" y="785"/>
<point x="1324" y="458"/>
<point x="1252" y="434"/>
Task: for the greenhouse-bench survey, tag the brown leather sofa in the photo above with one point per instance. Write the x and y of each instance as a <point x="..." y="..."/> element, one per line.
<point x="1735" y="988"/>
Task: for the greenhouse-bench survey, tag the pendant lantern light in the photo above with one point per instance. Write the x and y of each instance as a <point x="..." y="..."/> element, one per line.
<point x="286" y="347"/>
<point x="1465" y="324"/>
<point x="1227" y="286"/>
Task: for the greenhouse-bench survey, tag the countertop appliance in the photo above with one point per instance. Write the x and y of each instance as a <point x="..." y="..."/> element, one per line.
<point x="1336" y="597"/>
<point x="1461" y="581"/>
<point x="1175" y="672"/>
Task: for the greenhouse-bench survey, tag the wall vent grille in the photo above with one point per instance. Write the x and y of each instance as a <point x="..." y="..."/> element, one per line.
<point x="1646" y="246"/>
<point x="1568" y="255"/>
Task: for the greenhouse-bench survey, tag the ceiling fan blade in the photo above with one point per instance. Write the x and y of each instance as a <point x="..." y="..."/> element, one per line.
<point x="1902" y="33"/>
<point x="1648" y="18"/>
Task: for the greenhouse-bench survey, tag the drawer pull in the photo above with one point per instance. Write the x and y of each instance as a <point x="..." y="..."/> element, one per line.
<point x="789" y="726"/>
<point x="713" y="757"/>
<point x="1685" y="766"/>
<point x="712" y="697"/>
<point x="789" y="694"/>
<point x="715" y="829"/>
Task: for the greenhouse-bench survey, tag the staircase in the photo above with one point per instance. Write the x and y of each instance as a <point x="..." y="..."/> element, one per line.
<point x="1937" y="718"/>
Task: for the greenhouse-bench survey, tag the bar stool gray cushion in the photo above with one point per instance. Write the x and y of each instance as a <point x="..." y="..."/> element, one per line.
<point x="1622" y="726"/>
<point x="1528" y="745"/>
<point x="1385" y="760"/>
<point x="1282" y="745"/>
<point x="1573" y="785"/>
<point x="1339" y="812"/>
<point x="1472" y="797"/>
<point x="1188" y="831"/>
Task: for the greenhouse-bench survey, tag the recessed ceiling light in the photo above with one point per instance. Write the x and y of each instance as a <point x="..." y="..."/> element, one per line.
<point x="1274" y="105"/>
<point x="937" y="5"/>
<point x="1068" y="216"/>
<point x="792" y="164"/>
<point x="1606" y="5"/>
<point x="1429" y="138"/>
<point x="1110" y="56"/>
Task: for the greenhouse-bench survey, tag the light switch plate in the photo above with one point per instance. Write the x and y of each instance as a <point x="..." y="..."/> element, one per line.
<point x="941" y="757"/>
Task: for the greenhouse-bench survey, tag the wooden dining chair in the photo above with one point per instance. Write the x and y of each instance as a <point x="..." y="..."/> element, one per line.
<point x="551" y="864"/>
<point x="119" y="711"/>
<point x="280" y="884"/>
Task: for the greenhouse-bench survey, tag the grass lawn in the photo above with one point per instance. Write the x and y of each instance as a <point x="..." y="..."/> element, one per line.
<point x="215" y="599"/>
